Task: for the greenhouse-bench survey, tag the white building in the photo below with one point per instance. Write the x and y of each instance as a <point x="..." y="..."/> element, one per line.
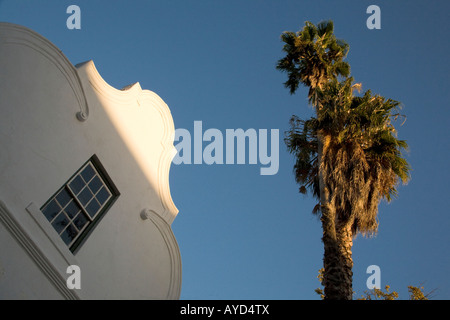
<point x="84" y="180"/>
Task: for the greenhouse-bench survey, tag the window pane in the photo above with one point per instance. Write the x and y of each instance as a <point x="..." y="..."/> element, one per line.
<point x="85" y="196"/>
<point x="69" y="234"/>
<point x="93" y="208"/>
<point x="95" y="184"/>
<point x="80" y="221"/>
<point x="63" y="197"/>
<point x="60" y="222"/>
<point x="103" y="195"/>
<point x="78" y="203"/>
<point x="72" y="209"/>
<point x="77" y="184"/>
<point x="88" y="173"/>
<point x="51" y="210"/>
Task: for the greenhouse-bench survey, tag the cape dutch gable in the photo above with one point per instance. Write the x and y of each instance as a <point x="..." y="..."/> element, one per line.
<point x="58" y="120"/>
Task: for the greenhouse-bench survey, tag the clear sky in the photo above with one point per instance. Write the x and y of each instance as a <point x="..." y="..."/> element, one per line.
<point x="247" y="236"/>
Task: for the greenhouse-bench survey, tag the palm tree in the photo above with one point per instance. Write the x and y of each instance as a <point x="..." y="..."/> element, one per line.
<point x="313" y="57"/>
<point x="348" y="155"/>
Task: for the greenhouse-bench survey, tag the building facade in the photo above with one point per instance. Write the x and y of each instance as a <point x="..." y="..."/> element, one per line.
<point x="84" y="180"/>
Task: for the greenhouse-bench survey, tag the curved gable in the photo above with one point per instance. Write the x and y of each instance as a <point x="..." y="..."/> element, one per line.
<point x="56" y="116"/>
<point x="145" y="122"/>
<point x="16" y="35"/>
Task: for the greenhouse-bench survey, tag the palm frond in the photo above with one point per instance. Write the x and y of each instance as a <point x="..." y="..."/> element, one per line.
<point x="362" y="159"/>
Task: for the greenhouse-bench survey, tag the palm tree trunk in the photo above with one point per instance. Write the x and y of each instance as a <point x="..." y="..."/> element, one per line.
<point x="345" y="243"/>
<point x="337" y="241"/>
<point x="337" y="261"/>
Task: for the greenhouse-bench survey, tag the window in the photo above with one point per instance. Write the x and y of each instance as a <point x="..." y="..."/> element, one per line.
<point x="78" y="206"/>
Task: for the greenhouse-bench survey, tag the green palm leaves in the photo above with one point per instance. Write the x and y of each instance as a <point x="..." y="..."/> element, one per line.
<point x="348" y="154"/>
<point x="313" y="57"/>
<point x="362" y="151"/>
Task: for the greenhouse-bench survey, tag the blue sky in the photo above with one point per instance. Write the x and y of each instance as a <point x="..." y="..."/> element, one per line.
<point x="247" y="236"/>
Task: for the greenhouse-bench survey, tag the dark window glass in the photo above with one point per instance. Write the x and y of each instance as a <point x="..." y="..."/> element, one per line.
<point x="95" y="184"/>
<point x="51" y="210"/>
<point x="69" y="234"/>
<point x="77" y="184"/>
<point x="88" y="173"/>
<point x="63" y="197"/>
<point x="103" y="195"/>
<point x="78" y="205"/>
<point x="85" y="196"/>
<point x="60" y="222"/>
<point x="93" y="208"/>
<point x="72" y="209"/>
<point x="80" y="221"/>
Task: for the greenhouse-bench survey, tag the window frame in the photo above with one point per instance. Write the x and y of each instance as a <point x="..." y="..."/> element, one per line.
<point x="92" y="221"/>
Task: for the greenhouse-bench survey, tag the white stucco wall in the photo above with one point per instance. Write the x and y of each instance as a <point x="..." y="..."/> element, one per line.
<point x="43" y="143"/>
